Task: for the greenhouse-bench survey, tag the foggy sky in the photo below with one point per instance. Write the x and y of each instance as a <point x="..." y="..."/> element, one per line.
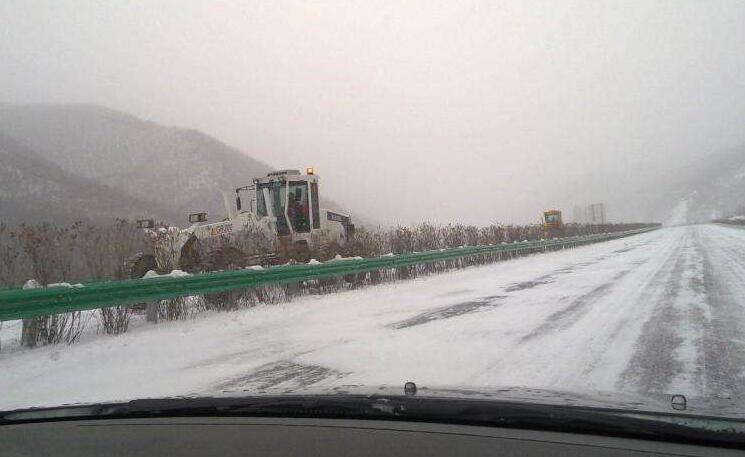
<point x="474" y="111"/>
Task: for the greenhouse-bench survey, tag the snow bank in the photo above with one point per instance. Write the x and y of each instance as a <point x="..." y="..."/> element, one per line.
<point x="173" y="274"/>
<point x="34" y="284"/>
<point x="66" y="285"/>
<point x="340" y="258"/>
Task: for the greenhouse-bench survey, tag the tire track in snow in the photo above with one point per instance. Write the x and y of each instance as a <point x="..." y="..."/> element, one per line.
<point x="450" y="311"/>
<point x="655" y="363"/>
<point x="579" y="344"/>
<point x="578" y="267"/>
<point x="564" y="318"/>
<point x="284" y="373"/>
<point x="611" y="323"/>
<point x="723" y="356"/>
<point x="694" y="342"/>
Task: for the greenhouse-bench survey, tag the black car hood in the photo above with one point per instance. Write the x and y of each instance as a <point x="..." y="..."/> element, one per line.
<point x="620" y="401"/>
<point x="624" y="415"/>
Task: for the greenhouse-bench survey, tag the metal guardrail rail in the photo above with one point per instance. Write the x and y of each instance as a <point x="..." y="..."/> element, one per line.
<point x="18" y="303"/>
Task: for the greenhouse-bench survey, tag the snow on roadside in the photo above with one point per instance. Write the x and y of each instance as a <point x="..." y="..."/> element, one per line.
<point x="338" y="258"/>
<point x="173" y="274"/>
<point x="34" y="284"/>
<point x="66" y="285"/>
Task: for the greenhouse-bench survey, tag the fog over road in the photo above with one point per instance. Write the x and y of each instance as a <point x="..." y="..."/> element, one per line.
<point x="659" y="312"/>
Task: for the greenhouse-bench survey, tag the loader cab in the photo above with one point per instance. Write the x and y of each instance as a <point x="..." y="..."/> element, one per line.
<point x="291" y="198"/>
<point x="553" y="226"/>
<point x="552" y="218"/>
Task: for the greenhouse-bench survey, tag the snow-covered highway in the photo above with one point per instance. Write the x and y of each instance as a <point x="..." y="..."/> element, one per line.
<point x="658" y="312"/>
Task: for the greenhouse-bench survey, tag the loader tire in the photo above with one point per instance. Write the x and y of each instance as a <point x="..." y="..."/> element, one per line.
<point x="300" y="253"/>
<point x="190" y="259"/>
<point x="227" y="258"/>
<point x="139" y="264"/>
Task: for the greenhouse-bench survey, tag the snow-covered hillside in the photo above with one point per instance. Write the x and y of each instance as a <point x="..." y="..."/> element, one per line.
<point x="33" y="189"/>
<point x="180" y="169"/>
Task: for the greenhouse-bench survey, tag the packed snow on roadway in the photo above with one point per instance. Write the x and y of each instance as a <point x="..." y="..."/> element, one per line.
<point x="656" y="312"/>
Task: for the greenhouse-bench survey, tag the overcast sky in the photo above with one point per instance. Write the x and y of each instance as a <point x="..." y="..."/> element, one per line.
<point x="474" y="111"/>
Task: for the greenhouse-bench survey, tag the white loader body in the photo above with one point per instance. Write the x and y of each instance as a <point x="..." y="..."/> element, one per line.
<point x="285" y="210"/>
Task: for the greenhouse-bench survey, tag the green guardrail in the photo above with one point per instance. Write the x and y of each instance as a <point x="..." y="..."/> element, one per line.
<point x="21" y="303"/>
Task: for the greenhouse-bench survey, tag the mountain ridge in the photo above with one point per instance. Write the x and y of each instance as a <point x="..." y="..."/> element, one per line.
<point x="36" y="190"/>
<point x="171" y="171"/>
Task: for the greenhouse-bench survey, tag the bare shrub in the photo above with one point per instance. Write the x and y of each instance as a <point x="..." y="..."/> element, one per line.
<point x="172" y="309"/>
<point x="104" y="249"/>
<point x="53" y="329"/>
<point x="50" y="251"/>
<point x="13" y="265"/>
<point x="115" y="320"/>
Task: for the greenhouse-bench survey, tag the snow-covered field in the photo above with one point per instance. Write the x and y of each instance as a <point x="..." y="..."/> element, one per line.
<point x="658" y="312"/>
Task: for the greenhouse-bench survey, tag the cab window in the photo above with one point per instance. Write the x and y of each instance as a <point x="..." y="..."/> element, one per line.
<point x="298" y="209"/>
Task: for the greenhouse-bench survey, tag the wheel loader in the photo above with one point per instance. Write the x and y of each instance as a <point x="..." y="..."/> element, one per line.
<point x="553" y="226"/>
<point x="283" y="211"/>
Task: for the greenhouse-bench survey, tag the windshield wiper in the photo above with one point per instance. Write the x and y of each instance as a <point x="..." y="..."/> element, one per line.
<point x="691" y="429"/>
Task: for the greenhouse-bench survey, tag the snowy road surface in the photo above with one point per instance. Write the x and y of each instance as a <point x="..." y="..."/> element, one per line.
<point x="658" y="312"/>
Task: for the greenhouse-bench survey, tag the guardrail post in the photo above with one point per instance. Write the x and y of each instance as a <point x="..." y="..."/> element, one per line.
<point x="29" y="332"/>
<point x="151" y="312"/>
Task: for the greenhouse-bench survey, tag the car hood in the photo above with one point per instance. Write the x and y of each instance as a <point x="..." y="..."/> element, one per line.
<point x="717" y="422"/>
<point x="716" y="407"/>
